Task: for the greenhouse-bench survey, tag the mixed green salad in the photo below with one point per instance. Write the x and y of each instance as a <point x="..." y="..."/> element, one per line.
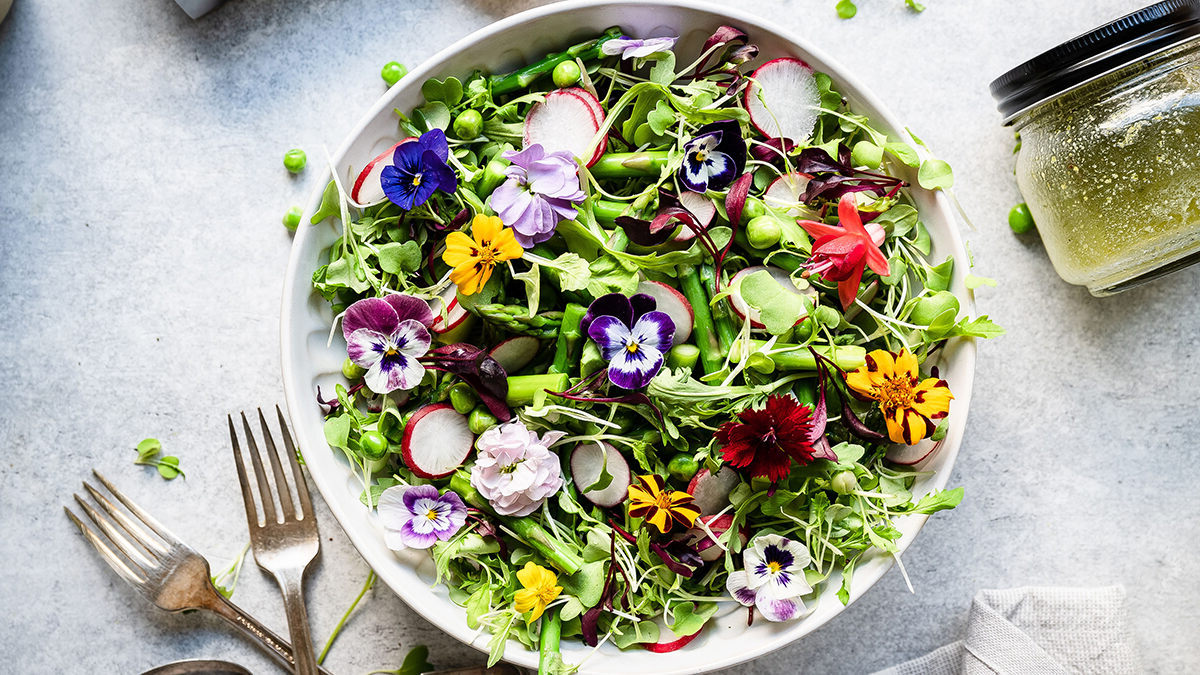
<point x="635" y="334"/>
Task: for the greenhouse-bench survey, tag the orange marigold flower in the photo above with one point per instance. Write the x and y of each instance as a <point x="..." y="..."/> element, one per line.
<point x="660" y="507"/>
<point x="472" y="258"/>
<point x="909" y="404"/>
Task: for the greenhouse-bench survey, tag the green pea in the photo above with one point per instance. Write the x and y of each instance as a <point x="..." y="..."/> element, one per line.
<point x="1020" y="219"/>
<point x="683" y="467"/>
<point x="294" y="160"/>
<point x="463" y="398"/>
<point x="468" y="125"/>
<point x="929" y="308"/>
<point x="480" y="420"/>
<point x="566" y="74"/>
<point x="374" y="444"/>
<point x="764" y="231"/>
<point x="844" y="482"/>
<point x="683" y="356"/>
<point x="846" y="9"/>
<point x="291" y="219"/>
<point x="392" y="72"/>
<point x="352" y="371"/>
<point x="753" y="209"/>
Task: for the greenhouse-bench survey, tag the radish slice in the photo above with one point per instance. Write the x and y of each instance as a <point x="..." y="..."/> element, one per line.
<point x="587" y="460"/>
<point x="436" y="441"/>
<point x="367" y="189"/>
<point x="909" y="455"/>
<point x="783" y="99"/>
<point x="668" y="641"/>
<point x="455" y="313"/>
<point x="746" y="311"/>
<point x="673" y="304"/>
<point x="785" y="192"/>
<point x="516" y="352"/>
<point x="699" y="206"/>
<point x="698" y="538"/>
<point x="566" y="120"/>
<point x="711" y="491"/>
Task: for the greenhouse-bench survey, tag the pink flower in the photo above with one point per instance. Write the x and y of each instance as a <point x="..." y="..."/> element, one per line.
<point x="842" y="253"/>
<point x="515" y="469"/>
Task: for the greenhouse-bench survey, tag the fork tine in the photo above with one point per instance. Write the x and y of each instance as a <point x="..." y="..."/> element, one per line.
<point x="139" y="534"/>
<point x="150" y="521"/>
<point x="106" y="553"/>
<point x="301" y="486"/>
<point x="266" y="497"/>
<point x="281" y="485"/>
<point x="123" y="543"/>
<point x="243" y="480"/>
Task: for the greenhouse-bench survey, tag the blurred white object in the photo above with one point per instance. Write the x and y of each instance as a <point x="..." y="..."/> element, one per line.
<point x="194" y="8"/>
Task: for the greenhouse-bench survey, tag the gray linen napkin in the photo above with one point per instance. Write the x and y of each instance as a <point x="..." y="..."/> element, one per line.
<point x="1038" y="631"/>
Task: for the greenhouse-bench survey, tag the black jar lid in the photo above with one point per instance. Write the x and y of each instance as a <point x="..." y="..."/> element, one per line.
<point x="1095" y="53"/>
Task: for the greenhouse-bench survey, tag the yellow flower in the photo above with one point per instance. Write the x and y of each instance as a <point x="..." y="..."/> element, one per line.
<point x="474" y="257"/>
<point x="661" y="507"/>
<point x="909" y="404"/>
<point x="540" y="589"/>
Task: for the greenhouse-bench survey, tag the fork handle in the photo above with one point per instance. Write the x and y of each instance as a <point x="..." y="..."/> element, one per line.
<point x="276" y="646"/>
<point x="292" y="585"/>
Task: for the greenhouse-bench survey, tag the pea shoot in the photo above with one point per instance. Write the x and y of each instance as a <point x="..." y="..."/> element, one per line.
<point x="294" y="160"/>
<point x="149" y="454"/>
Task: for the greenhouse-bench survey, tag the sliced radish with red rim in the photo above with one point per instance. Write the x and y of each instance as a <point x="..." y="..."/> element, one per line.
<point x="567" y="120"/>
<point x="783" y="99"/>
<point x="436" y="441"/>
<point x="589" y="461"/>
<point x="367" y="189"/>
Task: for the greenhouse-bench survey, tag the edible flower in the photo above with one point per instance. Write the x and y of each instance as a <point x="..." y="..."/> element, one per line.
<point x="909" y="404"/>
<point x="766" y="441"/>
<point x="660" y="507"/>
<point x="540" y="589"/>
<point x="515" y="469"/>
<point x="772" y="577"/>
<point x="632" y="336"/>
<point x="630" y="48"/>
<point x="539" y="193"/>
<point x="386" y="336"/>
<point x="417" y="516"/>
<point x="473" y="258"/>
<point x="418" y="169"/>
<point x="713" y="157"/>
<point x="841" y="252"/>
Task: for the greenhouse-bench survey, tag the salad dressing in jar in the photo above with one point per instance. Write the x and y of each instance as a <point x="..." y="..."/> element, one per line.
<point x="1109" y="162"/>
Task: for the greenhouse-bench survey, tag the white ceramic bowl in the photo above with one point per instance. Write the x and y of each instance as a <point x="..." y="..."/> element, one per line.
<point x="308" y="362"/>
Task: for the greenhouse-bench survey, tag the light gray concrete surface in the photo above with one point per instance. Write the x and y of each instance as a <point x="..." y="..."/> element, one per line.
<point x="141" y="261"/>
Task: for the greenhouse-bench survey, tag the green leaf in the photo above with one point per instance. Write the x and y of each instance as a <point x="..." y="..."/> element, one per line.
<point x="587" y="584"/>
<point x="376" y="490"/>
<point x="981" y="327"/>
<point x="903" y="152"/>
<point x="448" y="91"/>
<point x="902" y="217"/>
<point x="574" y="274"/>
<point x="402" y="259"/>
<point x="935" y="174"/>
<point x="147" y="448"/>
<point x="477" y="605"/>
<point x="663" y="70"/>
<point x="500" y="638"/>
<point x="433" y="115"/>
<point x="330" y="204"/>
<point x="690" y="618"/>
<point x="937" y="278"/>
<point x="532" y="278"/>
<point x="843" y="593"/>
<point x="778" y="307"/>
<point x="416" y="662"/>
<point x="642" y="632"/>
<point x="915" y="6"/>
<point x="921" y="240"/>
<point x="972" y="281"/>
<point x="897" y="268"/>
<point x="661" y="118"/>
<point x="571" y="608"/>
<point x="939" y="501"/>
<point x="337" y="431"/>
<point x="939" y="432"/>
<point x="168" y="467"/>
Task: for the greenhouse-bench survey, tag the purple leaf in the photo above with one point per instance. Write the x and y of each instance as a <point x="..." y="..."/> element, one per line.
<point x="724" y="35"/>
<point x="473" y="366"/>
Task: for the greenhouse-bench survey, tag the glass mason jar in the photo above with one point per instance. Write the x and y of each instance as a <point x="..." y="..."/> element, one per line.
<point x="1109" y="159"/>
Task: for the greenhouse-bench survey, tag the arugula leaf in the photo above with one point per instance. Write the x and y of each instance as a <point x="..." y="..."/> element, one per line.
<point x="939" y="501"/>
<point x="574" y="274"/>
<point x="661" y="118"/>
<point x="532" y="278"/>
<point x="330" y="204"/>
<point x="981" y="327"/>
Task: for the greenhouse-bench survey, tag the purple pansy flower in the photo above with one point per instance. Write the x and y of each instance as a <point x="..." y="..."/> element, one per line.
<point x="417" y="516"/>
<point x="538" y="194"/>
<point x="386" y="336"/>
<point x="630" y="48"/>
<point x="714" y="157"/>
<point x="772" y="577"/>
<point x="632" y="337"/>
<point x="418" y="168"/>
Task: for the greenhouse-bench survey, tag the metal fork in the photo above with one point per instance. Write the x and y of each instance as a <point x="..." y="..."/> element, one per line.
<point x="285" y="540"/>
<point x="161" y="567"/>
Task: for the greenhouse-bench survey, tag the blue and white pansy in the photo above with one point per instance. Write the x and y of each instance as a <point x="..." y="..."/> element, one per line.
<point x="386" y="336"/>
<point x="633" y="337"/>
<point x="714" y="157"/>
<point x="772" y="577"/>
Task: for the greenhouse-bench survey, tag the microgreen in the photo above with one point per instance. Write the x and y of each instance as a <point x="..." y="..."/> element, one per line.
<point x="149" y="454"/>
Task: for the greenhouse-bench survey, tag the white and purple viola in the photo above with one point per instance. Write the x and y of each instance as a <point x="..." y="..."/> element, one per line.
<point x="387" y="336"/>
<point x="418" y="516"/>
<point x="772" y="577"/>
<point x="632" y="335"/>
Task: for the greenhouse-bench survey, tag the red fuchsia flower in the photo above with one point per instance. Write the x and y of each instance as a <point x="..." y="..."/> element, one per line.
<point x="766" y="441"/>
<point x="841" y="252"/>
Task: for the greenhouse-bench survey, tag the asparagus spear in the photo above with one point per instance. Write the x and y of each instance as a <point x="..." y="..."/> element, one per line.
<point x="629" y="164"/>
<point x="726" y="331"/>
<point x="523" y="77"/>
<point x="551" y="635"/>
<point x="703" y="330"/>
<point x="847" y="357"/>
<point x="568" y="338"/>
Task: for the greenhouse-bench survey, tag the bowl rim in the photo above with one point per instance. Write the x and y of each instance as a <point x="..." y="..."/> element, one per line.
<point x="326" y="483"/>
